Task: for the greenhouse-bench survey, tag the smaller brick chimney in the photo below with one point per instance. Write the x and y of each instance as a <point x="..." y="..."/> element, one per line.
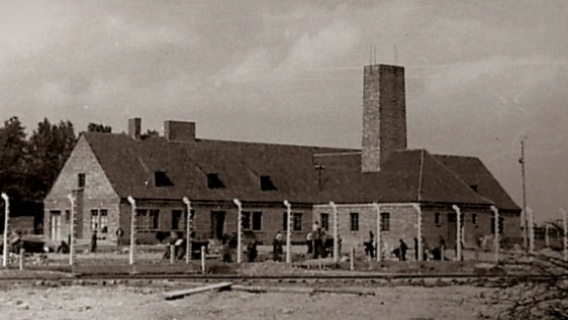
<point x="134" y="128"/>
<point x="181" y="131"/>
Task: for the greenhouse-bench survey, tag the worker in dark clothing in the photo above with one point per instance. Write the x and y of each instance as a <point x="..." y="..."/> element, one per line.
<point x="402" y="250"/>
<point x="416" y="249"/>
<point x="94" y="241"/>
<point x="277" y="249"/>
<point x="252" y="250"/>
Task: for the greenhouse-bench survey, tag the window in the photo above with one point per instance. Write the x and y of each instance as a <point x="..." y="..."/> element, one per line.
<point x="245" y="220"/>
<point x="214" y="182"/>
<point x="474" y="218"/>
<point x="452" y="217"/>
<point x="178" y="220"/>
<point x="147" y="219"/>
<point x="385" y="221"/>
<point x="354" y="221"/>
<point x="324" y="221"/>
<point x="67" y="215"/>
<point x="257" y="221"/>
<point x="296" y="221"/>
<point x="501" y="225"/>
<point x="161" y="179"/>
<point x="94" y="220"/>
<point x="81" y="180"/>
<point x="99" y="220"/>
<point x="266" y="184"/>
<point x="473" y="187"/>
<point x="437" y="219"/>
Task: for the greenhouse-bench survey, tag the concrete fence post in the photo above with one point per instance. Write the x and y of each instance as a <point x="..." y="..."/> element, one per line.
<point x="458" y="233"/>
<point x="6" y="221"/>
<point x="239" y="228"/>
<point x="132" y="229"/>
<point x="530" y="217"/>
<point x="288" y="231"/>
<point x="189" y="230"/>
<point x="496" y="244"/>
<point x="378" y="250"/>
<point x="335" y="233"/>
<point x="71" y="230"/>
<point x="419" y="230"/>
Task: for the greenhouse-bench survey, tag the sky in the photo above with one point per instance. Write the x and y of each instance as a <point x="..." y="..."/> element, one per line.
<point x="481" y="75"/>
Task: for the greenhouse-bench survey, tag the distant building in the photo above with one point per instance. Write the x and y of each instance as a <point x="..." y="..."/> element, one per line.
<point x="104" y="169"/>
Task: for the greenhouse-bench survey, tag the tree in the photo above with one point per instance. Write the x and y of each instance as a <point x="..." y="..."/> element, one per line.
<point x="98" y="127"/>
<point x="50" y="146"/>
<point x="149" y="134"/>
<point x="14" y="157"/>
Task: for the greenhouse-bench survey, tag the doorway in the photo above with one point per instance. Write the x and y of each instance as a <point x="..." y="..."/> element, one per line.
<point x="217" y="224"/>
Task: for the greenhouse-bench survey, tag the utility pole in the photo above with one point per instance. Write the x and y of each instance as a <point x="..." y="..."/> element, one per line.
<point x="524" y="215"/>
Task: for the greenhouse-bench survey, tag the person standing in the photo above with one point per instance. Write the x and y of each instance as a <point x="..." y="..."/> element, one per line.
<point x="402" y="250"/>
<point x="309" y="243"/>
<point x="277" y="249"/>
<point x="94" y="242"/>
<point x="119" y="234"/>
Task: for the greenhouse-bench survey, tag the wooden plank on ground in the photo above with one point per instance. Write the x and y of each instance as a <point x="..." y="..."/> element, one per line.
<point x="260" y="289"/>
<point x="186" y="292"/>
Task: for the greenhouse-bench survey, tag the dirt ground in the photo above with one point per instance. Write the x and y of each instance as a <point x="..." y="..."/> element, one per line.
<point x="146" y="302"/>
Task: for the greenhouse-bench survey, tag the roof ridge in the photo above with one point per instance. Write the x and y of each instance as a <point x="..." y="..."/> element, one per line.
<point x="461" y="180"/>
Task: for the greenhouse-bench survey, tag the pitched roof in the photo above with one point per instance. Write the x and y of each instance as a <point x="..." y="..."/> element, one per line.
<point x="407" y="176"/>
<point x="130" y="166"/>
<point x="473" y="172"/>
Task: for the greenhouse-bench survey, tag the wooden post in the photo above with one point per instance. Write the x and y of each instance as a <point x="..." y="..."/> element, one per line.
<point x="378" y="250"/>
<point x="132" y="229"/>
<point x="419" y="227"/>
<point x="72" y="230"/>
<point x="288" y="231"/>
<point x="565" y="233"/>
<point x="6" y="220"/>
<point x="335" y="233"/>
<point x="189" y="225"/>
<point x="239" y="228"/>
<point x="496" y="244"/>
<point x="458" y="235"/>
<point x="202" y="259"/>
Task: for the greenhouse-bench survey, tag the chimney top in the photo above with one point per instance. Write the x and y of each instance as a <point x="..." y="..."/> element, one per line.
<point x="134" y="128"/>
<point x="181" y="131"/>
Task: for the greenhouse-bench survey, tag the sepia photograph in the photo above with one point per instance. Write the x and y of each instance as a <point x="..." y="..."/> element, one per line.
<point x="262" y="159"/>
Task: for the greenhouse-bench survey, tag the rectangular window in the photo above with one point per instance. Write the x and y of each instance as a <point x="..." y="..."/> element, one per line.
<point x="103" y="221"/>
<point x="67" y="215"/>
<point x="154" y="219"/>
<point x="178" y="220"/>
<point x="297" y="221"/>
<point x="324" y="221"/>
<point x="385" y="221"/>
<point x="245" y="220"/>
<point x="257" y="221"/>
<point x="474" y="218"/>
<point x="94" y="220"/>
<point x="161" y="179"/>
<point x="452" y="217"/>
<point x="81" y="180"/>
<point x="354" y="218"/>
<point x="146" y="219"/>
<point x="437" y="219"/>
<point x="285" y="221"/>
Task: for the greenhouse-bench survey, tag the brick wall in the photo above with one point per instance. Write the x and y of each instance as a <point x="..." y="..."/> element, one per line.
<point x="272" y="219"/>
<point x="384" y="114"/>
<point x="96" y="194"/>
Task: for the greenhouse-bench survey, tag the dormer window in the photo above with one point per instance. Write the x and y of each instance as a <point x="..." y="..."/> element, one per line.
<point x="161" y="179"/>
<point x="266" y="184"/>
<point x="473" y="187"/>
<point x="81" y="180"/>
<point x="214" y="182"/>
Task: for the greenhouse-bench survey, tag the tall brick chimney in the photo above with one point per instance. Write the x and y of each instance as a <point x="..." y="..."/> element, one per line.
<point x="179" y="131"/>
<point x="384" y="114"/>
<point x="134" y="128"/>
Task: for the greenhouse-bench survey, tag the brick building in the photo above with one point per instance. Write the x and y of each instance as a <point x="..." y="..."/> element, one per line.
<point x="104" y="169"/>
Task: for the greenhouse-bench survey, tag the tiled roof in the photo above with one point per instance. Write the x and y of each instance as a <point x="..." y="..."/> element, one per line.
<point x="130" y="165"/>
<point x="407" y="176"/>
<point x="474" y="173"/>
